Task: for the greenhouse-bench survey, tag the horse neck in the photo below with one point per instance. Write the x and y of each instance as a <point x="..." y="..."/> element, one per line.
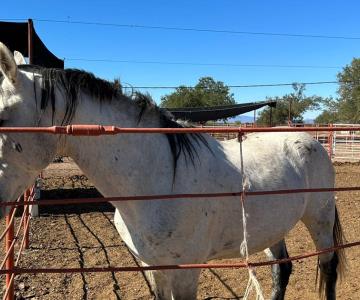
<point x="125" y="156"/>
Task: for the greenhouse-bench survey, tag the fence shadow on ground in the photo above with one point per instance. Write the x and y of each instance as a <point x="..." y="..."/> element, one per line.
<point x="75" y="208"/>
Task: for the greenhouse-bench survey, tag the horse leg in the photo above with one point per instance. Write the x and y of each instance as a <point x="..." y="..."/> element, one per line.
<point x="326" y="232"/>
<point x="159" y="285"/>
<point x="280" y="272"/>
<point x="174" y="284"/>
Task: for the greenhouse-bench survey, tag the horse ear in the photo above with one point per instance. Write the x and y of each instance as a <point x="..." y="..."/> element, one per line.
<point x="7" y="63"/>
<point x="19" y="58"/>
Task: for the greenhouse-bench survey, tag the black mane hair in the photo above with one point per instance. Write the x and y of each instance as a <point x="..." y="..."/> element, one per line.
<point x="74" y="81"/>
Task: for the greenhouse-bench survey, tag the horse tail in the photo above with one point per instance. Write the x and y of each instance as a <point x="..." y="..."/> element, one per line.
<point x="339" y="239"/>
<point x="339" y="255"/>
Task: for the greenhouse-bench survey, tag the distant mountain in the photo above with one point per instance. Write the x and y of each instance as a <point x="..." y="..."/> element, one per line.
<point x="242" y="119"/>
<point x="309" y="121"/>
<point x="250" y="119"/>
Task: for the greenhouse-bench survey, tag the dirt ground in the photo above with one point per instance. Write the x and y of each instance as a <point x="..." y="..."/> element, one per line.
<point x="85" y="236"/>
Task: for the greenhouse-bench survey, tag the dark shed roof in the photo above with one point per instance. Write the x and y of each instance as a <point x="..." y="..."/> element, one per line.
<point x="203" y="114"/>
<point x="15" y="37"/>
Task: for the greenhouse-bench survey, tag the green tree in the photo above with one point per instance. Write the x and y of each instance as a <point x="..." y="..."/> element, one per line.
<point x="349" y="93"/>
<point x="207" y="92"/>
<point x="330" y="112"/>
<point x="327" y="117"/>
<point x="292" y="105"/>
<point x="346" y="108"/>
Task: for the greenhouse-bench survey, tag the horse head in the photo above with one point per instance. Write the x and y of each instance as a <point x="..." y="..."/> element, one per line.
<point x="22" y="156"/>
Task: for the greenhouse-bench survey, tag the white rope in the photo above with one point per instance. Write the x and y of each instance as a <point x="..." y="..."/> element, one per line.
<point x="253" y="281"/>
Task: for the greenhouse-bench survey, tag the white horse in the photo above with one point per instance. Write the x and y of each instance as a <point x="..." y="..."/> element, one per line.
<point x="179" y="231"/>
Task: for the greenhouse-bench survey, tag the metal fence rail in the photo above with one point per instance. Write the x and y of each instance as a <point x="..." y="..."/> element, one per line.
<point x="326" y="134"/>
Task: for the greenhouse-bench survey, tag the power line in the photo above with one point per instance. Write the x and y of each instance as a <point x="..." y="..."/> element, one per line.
<point x="204" y="64"/>
<point x="13" y="19"/>
<point x="242" y="86"/>
<point x="199" y="64"/>
<point x="193" y="29"/>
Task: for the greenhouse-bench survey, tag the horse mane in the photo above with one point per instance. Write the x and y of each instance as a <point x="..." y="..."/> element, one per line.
<point x="74" y="81"/>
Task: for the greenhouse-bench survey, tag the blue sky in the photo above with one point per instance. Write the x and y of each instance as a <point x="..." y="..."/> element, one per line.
<point x="332" y="18"/>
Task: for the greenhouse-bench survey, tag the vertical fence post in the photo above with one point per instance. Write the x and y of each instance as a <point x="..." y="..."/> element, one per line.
<point x="10" y="260"/>
<point x="330" y="141"/>
<point x="34" y="209"/>
<point x="30" y="42"/>
<point x="26" y="218"/>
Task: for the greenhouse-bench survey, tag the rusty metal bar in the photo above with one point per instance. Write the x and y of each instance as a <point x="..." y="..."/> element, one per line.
<point x="7" y="290"/>
<point x="12" y="244"/>
<point x="7" y="228"/>
<point x="26" y="217"/>
<point x="21" y="248"/>
<point x="176" y="267"/>
<point x="95" y="130"/>
<point x="10" y="259"/>
<point x="22" y="244"/>
<point x="180" y="196"/>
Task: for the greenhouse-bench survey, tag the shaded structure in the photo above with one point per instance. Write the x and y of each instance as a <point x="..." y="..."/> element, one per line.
<point x="203" y="114"/>
<point x="23" y="38"/>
